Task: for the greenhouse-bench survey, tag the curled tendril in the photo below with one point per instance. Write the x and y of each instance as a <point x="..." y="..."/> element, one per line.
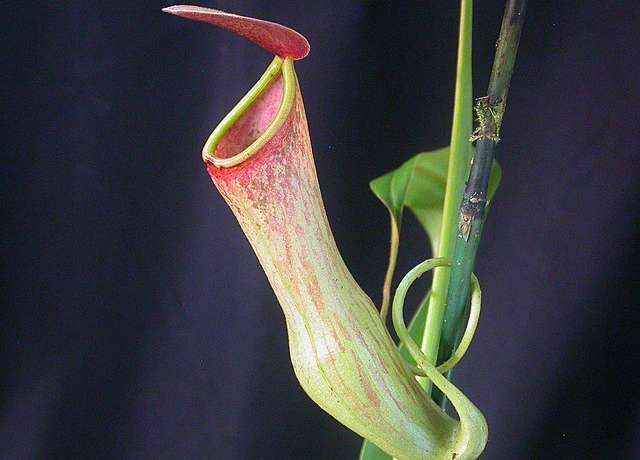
<point x="472" y="436"/>
<point x="470" y="330"/>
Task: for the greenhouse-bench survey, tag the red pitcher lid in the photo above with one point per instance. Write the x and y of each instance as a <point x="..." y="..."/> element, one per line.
<point x="278" y="39"/>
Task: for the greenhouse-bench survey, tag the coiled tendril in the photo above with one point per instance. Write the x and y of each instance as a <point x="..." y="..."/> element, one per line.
<point x="472" y="323"/>
<point x="473" y="432"/>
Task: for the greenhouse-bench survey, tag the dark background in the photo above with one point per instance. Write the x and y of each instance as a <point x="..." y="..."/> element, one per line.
<point x="137" y="323"/>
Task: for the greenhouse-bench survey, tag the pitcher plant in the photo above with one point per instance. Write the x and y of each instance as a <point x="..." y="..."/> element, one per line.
<point x="260" y="159"/>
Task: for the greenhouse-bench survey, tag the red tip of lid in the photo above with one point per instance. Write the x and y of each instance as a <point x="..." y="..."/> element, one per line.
<point x="278" y="39"/>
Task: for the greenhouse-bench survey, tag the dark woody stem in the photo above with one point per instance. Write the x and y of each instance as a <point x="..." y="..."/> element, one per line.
<point x="472" y="213"/>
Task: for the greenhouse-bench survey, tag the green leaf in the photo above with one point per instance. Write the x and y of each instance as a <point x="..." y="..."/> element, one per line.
<point x="370" y="451"/>
<point x="419" y="185"/>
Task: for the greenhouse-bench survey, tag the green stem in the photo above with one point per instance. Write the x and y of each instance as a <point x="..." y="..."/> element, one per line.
<point x="459" y="158"/>
<point x="471" y="216"/>
<point x="393" y="259"/>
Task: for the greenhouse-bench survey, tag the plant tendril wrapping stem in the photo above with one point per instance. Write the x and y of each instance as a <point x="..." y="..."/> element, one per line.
<point x="472" y="324"/>
<point x="473" y="432"/>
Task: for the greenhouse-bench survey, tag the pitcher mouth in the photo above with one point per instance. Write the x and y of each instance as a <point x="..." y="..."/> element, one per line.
<point x="254" y="120"/>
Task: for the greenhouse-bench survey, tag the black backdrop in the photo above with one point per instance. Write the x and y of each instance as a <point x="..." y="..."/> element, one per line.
<point x="137" y="323"/>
